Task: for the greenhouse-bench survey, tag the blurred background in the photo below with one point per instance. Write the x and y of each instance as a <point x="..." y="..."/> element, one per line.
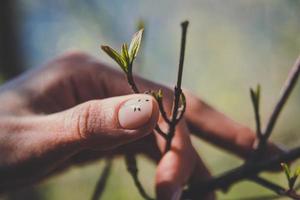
<point x="232" y="45"/>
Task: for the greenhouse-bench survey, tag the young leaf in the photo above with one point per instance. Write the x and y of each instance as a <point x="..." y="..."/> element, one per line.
<point x="125" y="54"/>
<point x="294" y="178"/>
<point x="135" y="45"/>
<point x="158" y="95"/>
<point x="116" y="57"/>
<point x="182" y="100"/>
<point x="297" y="172"/>
<point x="287" y="171"/>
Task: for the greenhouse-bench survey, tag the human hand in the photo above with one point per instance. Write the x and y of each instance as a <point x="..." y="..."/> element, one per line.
<point x="69" y="112"/>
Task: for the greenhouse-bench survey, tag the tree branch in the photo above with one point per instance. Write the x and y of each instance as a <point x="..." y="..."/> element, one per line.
<point x="251" y="169"/>
<point x="286" y="91"/>
<point x="245" y="171"/>
<point x="177" y="89"/>
<point x="99" y="189"/>
<point x="133" y="171"/>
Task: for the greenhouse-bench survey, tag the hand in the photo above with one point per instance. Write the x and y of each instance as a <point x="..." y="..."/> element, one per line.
<point x="74" y="110"/>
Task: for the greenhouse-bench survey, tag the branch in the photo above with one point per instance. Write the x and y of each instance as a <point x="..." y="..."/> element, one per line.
<point x="255" y="98"/>
<point x="102" y="180"/>
<point x="133" y="170"/>
<point x="245" y="171"/>
<point x="160" y="132"/>
<point x="267" y="184"/>
<point x="177" y="89"/>
<point x="286" y="91"/>
<point x="275" y="188"/>
<point x="162" y="111"/>
<point x="252" y="169"/>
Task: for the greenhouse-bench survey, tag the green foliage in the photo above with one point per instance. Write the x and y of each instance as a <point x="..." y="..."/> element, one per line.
<point x="116" y="57"/>
<point x="135" y="44"/>
<point x="127" y="56"/>
<point x="291" y="177"/>
<point x="158" y="95"/>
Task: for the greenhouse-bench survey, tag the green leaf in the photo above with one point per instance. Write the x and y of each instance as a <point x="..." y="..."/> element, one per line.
<point x="158" y="95"/>
<point x="294" y="178"/>
<point x="140" y="24"/>
<point x="182" y="99"/>
<point x="287" y="171"/>
<point x="125" y="54"/>
<point x="116" y="57"/>
<point x="297" y="172"/>
<point x="135" y="45"/>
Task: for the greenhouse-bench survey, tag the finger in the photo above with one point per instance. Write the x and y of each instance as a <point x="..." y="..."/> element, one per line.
<point x="215" y="127"/>
<point x="176" y="166"/>
<point x="106" y="123"/>
<point x="200" y="173"/>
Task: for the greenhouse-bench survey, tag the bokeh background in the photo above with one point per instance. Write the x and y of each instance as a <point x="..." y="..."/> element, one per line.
<point x="232" y="45"/>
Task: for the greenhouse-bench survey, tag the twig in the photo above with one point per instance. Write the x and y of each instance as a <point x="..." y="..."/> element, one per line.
<point x="160" y="132"/>
<point x="177" y="89"/>
<point x="162" y="111"/>
<point x="267" y="184"/>
<point x="251" y="169"/>
<point x="102" y="180"/>
<point x="255" y="98"/>
<point x="245" y="171"/>
<point x="133" y="170"/>
<point x="275" y="188"/>
<point x="131" y="82"/>
<point x="286" y="91"/>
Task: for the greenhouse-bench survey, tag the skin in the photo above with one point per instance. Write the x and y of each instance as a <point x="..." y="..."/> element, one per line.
<point x="54" y="117"/>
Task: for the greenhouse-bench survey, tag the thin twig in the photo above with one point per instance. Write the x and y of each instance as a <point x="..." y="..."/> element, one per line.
<point x="162" y="111"/>
<point x="255" y="97"/>
<point x="275" y="188"/>
<point x="245" y="171"/>
<point x="252" y="169"/>
<point x="160" y="132"/>
<point x="177" y="89"/>
<point x="133" y="170"/>
<point x="100" y="186"/>
<point x="131" y="82"/>
<point x="286" y="91"/>
<point x="267" y="184"/>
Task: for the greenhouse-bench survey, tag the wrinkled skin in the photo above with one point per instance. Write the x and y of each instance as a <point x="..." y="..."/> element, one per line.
<point x="42" y="131"/>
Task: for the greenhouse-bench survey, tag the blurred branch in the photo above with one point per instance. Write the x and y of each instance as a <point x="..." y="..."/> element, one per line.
<point x="250" y="169"/>
<point x="275" y="188"/>
<point x="267" y="184"/>
<point x="133" y="171"/>
<point x="285" y="93"/>
<point x="243" y="172"/>
<point x="99" y="189"/>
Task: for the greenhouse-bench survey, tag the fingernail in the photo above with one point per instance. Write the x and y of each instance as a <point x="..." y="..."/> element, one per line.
<point x="177" y="194"/>
<point x="135" y="112"/>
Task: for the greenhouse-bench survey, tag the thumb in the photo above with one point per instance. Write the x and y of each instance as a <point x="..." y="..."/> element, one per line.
<point x="104" y="124"/>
